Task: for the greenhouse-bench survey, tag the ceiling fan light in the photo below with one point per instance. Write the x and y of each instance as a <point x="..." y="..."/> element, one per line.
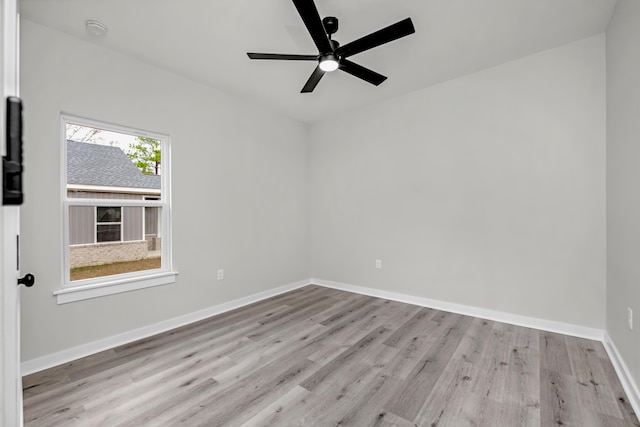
<point x="329" y="63"/>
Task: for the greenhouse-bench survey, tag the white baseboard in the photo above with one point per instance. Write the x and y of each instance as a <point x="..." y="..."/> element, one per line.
<point x="65" y="356"/>
<point x="498" y="316"/>
<point x="629" y="385"/>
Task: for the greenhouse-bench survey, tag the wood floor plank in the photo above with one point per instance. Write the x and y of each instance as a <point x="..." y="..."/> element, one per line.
<point x="442" y="406"/>
<point x="510" y="414"/>
<point x="492" y="375"/>
<point x="386" y="419"/>
<point x="185" y="374"/>
<point x="408" y="400"/>
<point x="338" y="397"/>
<point x="254" y="357"/>
<point x="353" y="328"/>
<point x="523" y="385"/>
<point x="327" y="352"/>
<point x="558" y="403"/>
<point x="317" y="356"/>
<point x="474" y="340"/>
<point x="240" y="401"/>
<point x="288" y="411"/>
<point x="594" y="390"/>
<point x="342" y="363"/>
<point x="409" y="329"/>
<point x="388" y="313"/>
<point x="366" y="408"/>
<point x="626" y="410"/>
<point x="403" y="363"/>
<point x="161" y="412"/>
<point x="346" y="310"/>
<point x="553" y="353"/>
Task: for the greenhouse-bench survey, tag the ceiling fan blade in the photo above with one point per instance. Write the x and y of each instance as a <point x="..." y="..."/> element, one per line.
<point x="361" y="72"/>
<point x="309" y="14"/>
<point x="280" y="56"/>
<point x="380" y="37"/>
<point x="313" y="80"/>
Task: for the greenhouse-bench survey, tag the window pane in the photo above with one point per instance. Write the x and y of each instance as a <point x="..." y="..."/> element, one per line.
<point x="108" y="233"/>
<point x="109" y="214"/>
<point x="112" y="165"/>
<point x="112" y="257"/>
<point x="102" y="164"/>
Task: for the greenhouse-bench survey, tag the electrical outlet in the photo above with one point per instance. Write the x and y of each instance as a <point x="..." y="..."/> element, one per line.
<point x="378" y="263"/>
<point x="630" y="318"/>
<point x="220" y="274"/>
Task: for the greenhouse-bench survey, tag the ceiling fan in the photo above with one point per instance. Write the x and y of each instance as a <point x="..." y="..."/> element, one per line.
<point x="331" y="56"/>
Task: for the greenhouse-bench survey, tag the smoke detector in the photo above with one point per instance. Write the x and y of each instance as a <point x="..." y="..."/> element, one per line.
<point x="96" y="28"/>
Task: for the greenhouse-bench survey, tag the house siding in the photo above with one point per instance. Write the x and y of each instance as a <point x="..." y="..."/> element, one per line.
<point x="132" y="227"/>
<point x="82" y="225"/>
<point x="82" y="218"/>
<point x="151" y="221"/>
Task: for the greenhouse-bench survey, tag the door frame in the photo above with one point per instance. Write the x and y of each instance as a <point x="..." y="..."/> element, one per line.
<point x="12" y="413"/>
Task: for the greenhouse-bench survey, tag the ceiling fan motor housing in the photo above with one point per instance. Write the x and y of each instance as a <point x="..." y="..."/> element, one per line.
<point x="330" y="24"/>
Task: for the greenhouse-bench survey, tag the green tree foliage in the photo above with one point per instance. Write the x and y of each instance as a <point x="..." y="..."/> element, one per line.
<point x="145" y="153"/>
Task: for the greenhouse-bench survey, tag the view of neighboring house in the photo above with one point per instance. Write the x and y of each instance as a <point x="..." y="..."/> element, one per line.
<point x="110" y="233"/>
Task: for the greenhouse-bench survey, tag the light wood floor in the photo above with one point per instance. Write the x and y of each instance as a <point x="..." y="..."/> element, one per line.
<point x="322" y="357"/>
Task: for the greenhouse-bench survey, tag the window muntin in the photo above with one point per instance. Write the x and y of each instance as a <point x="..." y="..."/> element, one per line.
<point x="116" y="215"/>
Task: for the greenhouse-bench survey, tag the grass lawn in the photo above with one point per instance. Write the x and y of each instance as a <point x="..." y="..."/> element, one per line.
<point x="115" y="268"/>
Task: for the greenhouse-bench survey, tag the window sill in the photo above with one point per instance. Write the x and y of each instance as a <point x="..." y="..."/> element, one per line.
<point x="83" y="292"/>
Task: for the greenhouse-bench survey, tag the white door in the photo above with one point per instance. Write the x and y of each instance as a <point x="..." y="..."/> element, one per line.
<point x="10" y="219"/>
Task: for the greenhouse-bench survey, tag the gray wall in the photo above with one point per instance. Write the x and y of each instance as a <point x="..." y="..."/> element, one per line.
<point x="487" y="190"/>
<point x="239" y="176"/>
<point x="623" y="180"/>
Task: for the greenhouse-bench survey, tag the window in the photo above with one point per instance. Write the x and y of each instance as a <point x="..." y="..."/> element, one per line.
<point x="108" y="224"/>
<point x="115" y="198"/>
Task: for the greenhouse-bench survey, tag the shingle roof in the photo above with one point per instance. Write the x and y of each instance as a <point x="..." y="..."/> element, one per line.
<point x="94" y="164"/>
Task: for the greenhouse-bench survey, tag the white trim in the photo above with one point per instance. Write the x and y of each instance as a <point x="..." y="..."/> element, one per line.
<point x="628" y="384"/>
<point x="12" y="384"/>
<point x="106" y="189"/>
<point x="11" y="413"/>
<point x="129" y="130"/>
<point x="114" y="202"/>
<point x="110" y="287"/>
<point x="55" y="359"/>
<point x="498" y="316"/>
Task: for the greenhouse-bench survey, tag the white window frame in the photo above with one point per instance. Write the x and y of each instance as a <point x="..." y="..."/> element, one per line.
<point x="78" y="290"/>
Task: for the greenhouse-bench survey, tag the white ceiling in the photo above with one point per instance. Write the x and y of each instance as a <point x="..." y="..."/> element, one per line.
<point x="207" y="41"/>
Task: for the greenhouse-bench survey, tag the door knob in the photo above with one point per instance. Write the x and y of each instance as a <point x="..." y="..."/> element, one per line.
<point x="28" y="280"/>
